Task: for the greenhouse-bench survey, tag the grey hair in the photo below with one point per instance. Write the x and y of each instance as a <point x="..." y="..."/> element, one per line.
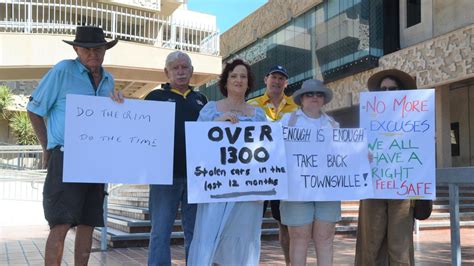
<point x="172" y="57"/>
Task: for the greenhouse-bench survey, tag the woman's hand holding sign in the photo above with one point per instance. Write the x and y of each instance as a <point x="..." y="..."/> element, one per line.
<point x="228" y="116"/>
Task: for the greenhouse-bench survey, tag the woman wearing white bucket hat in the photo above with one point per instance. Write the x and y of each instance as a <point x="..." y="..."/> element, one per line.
<point x="310" y="219"/>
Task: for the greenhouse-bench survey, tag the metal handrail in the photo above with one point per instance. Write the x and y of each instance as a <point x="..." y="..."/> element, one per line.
<point x="453" y="177"/>
<point x="125" y="23"/>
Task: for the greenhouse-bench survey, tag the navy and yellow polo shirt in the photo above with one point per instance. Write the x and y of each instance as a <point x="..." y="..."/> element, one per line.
<point x="188" y="106"/>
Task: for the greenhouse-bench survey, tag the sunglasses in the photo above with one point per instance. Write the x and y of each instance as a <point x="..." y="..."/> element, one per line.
<point x="388" y="89"/>
<point x="312" y="94"/>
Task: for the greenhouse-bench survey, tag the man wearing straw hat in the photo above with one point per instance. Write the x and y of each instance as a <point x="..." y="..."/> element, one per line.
<point x="68" y="205"/>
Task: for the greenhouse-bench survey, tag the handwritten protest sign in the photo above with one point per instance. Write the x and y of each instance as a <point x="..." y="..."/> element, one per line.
<point x="327" y="164"/>
<point x="240" y="162"/>
<point x="401" y="128"/>
<point x="108" y="142"/>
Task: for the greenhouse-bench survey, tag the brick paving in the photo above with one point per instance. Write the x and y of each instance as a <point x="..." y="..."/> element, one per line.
<point x="24" y="245"/>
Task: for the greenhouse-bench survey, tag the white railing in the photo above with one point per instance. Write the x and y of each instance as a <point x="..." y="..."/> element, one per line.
<point x="21" y="184"/>
<point x="21" y="157"/>
<point x="124" y="23"/>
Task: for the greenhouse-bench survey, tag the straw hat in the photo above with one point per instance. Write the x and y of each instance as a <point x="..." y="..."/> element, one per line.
<point x="407" y="82"/>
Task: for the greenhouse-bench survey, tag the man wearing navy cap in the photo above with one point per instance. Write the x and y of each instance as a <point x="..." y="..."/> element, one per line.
<point x="69" y="205"/>
<point x="274" y="101"/>
<point x="275" y="104"/>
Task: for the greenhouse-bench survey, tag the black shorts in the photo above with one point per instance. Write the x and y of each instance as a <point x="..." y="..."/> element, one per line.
<point x="70" y="203"/>
<point x="275" y="206"/>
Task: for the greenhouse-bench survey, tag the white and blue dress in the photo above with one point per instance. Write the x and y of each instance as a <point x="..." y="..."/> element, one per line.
<point x="227" y="233"/>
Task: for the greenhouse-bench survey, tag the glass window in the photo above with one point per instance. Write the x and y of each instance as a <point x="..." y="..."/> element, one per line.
<point x="328" y="41"/>
<point x="413" y="12"/>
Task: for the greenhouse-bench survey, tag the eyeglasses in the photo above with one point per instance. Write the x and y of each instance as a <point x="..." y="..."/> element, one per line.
<point x="312" y="94"/>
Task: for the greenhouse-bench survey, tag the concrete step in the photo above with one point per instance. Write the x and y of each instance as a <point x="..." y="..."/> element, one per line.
<point x="129" y="201"/>
<point x="464" y="216"/>
<point x="119" y="239"/>
<point x="125" y="191"/>
<point x="468" y="207"/>
<point x="128" y="211"/>
<point x="462" y="200"/>
<point x="127" y="224"/>
<point x="131" y="225"/>
<point x="429" y="224"/>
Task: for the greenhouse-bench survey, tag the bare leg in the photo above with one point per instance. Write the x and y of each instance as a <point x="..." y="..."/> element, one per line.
<point x="299" y="240"/>
<point x="323" y="236"/>
<point x="284" y="237"/>
<point x="83" y="244"/>
<point x="55" y="244"/>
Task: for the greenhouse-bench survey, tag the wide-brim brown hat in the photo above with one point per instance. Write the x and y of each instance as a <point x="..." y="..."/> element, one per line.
<point x="407" y="82"/>
<point x="312" y="85"/>
<point x="91" y="37"/>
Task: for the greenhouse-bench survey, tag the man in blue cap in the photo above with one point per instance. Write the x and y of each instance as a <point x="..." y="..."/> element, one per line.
<point x="68" y="205"/>
<point x="275" y="104"/>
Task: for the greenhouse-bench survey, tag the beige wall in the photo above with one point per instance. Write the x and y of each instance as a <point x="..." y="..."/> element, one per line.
<point x="443" y="127"/>
<point x="471" y="121"/>
<point x="438" y="17"/>
<point x="5" y="132"/>
<point x="419" y="32"/>
<point x="23" y="57"/>
<point x="460" y="114"/>
<point x="449" y="15"/>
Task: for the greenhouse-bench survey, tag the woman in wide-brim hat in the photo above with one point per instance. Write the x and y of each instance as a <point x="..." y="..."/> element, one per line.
<point x="311" y="220"/>
<point x="402" y="80"/>
<point x="385" y="226"/>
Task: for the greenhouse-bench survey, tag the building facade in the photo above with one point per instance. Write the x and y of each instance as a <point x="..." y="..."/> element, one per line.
<point x="345" y="42"/>
<point x="31" y="34"/>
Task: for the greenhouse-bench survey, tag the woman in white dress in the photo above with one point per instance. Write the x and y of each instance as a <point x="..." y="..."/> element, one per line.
<point x="228" y="233"/>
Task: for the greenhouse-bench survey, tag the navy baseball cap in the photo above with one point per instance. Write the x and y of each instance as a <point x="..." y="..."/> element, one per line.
<point x="278" y="69"/>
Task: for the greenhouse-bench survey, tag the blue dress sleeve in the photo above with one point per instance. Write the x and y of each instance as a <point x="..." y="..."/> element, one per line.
<point x="260" y="115"/>
<point x="208" y="112"/>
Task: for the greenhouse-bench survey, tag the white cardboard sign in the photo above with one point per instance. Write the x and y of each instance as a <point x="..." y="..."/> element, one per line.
<point x="401" y="136"/>
<point x="108" y="142"/>
<point x="241" y="162"/>
<point x="327" y="164"/>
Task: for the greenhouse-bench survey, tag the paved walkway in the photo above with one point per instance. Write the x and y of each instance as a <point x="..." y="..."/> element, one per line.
<point x="23" y="231"/>
<point x="24" y="245"/>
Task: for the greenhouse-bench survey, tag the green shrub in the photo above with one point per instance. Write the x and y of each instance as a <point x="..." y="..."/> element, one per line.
<point x="22" y="128"/>
<point x="5" y="100"/>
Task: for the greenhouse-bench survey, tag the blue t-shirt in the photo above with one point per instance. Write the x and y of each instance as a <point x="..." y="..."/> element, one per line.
<point x="49" y="98"/>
